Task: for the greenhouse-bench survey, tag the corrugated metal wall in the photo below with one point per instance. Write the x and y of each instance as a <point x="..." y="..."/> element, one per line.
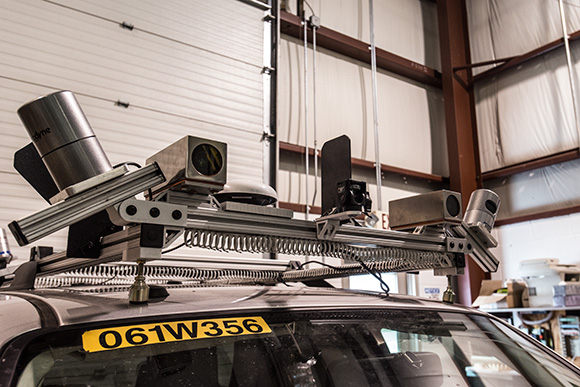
<point x="189" y="67"/>
<point x="410" y="115"/>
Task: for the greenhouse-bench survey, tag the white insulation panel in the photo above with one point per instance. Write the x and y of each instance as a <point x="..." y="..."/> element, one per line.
<point x="526" y="112"/>
<point x="407" y="28"/>
<point x="187" y="68"/>
<point x="410" y="116"/>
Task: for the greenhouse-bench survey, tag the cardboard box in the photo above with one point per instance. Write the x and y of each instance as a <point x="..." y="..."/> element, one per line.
<point x="489" y="298"/>
<point x="517" y="294"/>
<point x="493" y="295"/>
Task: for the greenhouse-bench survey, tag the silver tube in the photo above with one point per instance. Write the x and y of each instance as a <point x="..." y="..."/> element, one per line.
<point x="307" y="156"/>
<point x="375" y="106"/>
<point x="314" y="114"/>
<point x="64" y="139"/>
<point x="570" y="69"/>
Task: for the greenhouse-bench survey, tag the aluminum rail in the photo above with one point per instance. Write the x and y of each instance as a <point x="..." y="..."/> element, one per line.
<point x="252" y="224"/>
<point x="83" y="205"/>
<point x="361" y="241"/>
<point x="113" y="247"/>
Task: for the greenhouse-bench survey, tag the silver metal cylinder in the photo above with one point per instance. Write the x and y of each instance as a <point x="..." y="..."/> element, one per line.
<point x="64" y="139"/>
<point x="482" y="208"/>
<point x="4" y="248"/>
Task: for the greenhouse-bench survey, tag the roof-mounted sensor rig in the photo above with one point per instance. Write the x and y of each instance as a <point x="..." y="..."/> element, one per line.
<point x="184" y="184"/>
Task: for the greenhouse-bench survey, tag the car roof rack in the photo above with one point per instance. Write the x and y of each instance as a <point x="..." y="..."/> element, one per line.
<point x="132" y="238"/>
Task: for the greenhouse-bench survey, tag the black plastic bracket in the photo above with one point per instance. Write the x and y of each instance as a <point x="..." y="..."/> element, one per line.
<point x="24" y="276"/>
<point x="84" y="237"/>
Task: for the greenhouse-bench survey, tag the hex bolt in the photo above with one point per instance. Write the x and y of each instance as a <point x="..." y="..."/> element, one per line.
<point x="154" y="212"/>
<point x="176" y="214"/>
<point x="131" y="210"/>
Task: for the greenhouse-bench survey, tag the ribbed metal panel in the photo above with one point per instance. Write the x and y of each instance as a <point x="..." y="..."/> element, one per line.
<point x="186" y="68"/>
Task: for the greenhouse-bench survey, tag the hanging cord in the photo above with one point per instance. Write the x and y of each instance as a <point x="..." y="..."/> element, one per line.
<point x="314" y="28"/>
<point x="374" y="273"/>
<point x="375" y="106"/>
<point x="307" y="155"/>
<point x="338" y="268"/>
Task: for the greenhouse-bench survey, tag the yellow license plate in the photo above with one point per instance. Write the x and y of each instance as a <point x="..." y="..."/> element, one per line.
<point x="135" y="335"/>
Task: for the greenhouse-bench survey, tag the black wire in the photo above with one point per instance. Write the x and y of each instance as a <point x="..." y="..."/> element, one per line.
<point x="133" y="164"/>
<point x="375" y="274"/>
<point x="109" y="280"/>
<point x="323" y="264"/>
<point x="173" y="248"/>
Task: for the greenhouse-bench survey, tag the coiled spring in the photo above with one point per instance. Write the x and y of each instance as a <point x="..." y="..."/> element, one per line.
<point x="124" y="274"/>
<point x="380" y="259"/>
<point x="394" y="256"/>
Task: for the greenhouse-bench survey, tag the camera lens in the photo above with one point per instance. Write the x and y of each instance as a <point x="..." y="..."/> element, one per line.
<point x="207" y="159"/>
<point x="357" y="194"/>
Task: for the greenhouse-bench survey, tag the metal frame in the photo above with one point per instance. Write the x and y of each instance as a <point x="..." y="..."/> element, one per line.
<point x="353" y="48"/>
<point x="406" y="173"/>
<point x="464" y="169"/>
<point x="528" y="56"/>
<point x="257" y="229"/>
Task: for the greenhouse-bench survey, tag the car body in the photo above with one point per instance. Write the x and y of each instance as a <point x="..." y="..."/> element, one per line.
<point x="282" y="335"/>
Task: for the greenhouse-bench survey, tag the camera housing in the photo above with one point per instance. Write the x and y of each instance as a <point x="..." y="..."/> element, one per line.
<point x="192" y="164"/>
<point x="64" y="139"/>
<point x="353" y="196"/>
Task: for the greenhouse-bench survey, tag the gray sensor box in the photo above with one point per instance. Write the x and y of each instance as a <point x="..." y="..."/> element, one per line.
<point x="193" y="164"/>
<point x="426" y="209"/>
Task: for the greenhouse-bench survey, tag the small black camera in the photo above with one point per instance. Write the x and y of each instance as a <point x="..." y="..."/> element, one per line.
<point x="353" y="196"/>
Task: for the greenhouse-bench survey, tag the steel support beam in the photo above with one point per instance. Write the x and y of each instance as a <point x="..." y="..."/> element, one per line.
<point x="406" y="173"/>
<point x="342" y="44"/>
<point x="464" y="169"/>
<point x="526" y="166"/>
<point x="519" y="60"/>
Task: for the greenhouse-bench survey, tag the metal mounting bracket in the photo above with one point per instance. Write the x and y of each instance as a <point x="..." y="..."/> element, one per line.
<point x="327" y="226"/>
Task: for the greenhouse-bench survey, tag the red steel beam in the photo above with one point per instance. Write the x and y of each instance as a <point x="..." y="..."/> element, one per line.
<point x="538" y="215"/>
<point x="300" y="208"/>
<point x="518" y="60"/>
<point x="427" y="177"/>
<point x="464" y="169"/>
<point x="540" y="162"/>
<point x="356" y="49"/>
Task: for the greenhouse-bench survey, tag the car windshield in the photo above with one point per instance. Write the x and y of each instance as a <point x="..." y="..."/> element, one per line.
<point x="368" y="348"/>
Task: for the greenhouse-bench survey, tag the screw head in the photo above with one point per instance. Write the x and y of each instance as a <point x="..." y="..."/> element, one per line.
<point x="154" y="212"/>
<point x="131" y="210"/>
<point x="176" y="214"/>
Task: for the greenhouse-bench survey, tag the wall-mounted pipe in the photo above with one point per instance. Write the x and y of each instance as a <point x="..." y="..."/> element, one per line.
<point x="570" y="68"/>
<point x="375" y="106"/>
<point x="306" y="155"/>
<point x="314" y="28"/>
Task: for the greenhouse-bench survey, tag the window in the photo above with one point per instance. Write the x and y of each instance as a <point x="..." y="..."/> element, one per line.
<point x="359" y="348"/>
